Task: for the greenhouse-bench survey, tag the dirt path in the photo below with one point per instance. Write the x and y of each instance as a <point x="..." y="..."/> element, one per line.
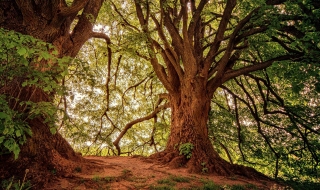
<point x="140" y="173"/>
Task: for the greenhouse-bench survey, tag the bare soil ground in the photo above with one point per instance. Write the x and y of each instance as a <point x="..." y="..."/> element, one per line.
<point x="143" y="173"/>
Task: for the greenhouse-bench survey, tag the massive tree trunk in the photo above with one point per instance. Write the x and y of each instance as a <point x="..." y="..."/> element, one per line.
<point x="45" y="153"/>
<point x="190" y="110"/>
<point x="198" y="54"/>
<point x="189" y="117"/>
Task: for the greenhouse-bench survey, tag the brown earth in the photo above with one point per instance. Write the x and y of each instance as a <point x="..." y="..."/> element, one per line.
<point x="143" y="173"/>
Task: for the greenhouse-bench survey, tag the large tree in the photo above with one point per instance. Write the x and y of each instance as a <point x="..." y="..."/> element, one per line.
<point x="197" y="46"/>
<point x="67" y="26"/>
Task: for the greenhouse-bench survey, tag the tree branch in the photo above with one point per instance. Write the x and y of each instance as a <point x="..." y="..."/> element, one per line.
<point x="129" y="125"/>
<point x="74" y="9"/>
<point x="245" y="70"/>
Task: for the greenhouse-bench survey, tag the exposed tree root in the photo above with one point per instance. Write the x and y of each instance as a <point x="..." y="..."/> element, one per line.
<point x="207" y="164"/>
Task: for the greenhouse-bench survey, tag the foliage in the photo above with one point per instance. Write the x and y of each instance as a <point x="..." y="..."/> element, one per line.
<point x="13" y="131"/>
<point x="204" y="168"/>
<point x="303" y="185"/>
<point x="254" y="104"/>
<point x="27" y="64"/>
<point x="95" y="119"/>
<point x="12" y="185"/>
<point x="186" y="149"/>
<point x="16" y="185"/>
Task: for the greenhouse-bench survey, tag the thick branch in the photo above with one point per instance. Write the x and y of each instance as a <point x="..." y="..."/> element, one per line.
<point x="174" y="33"/>
<point x="245" y="70"/>
<point x="196" y="18"/>
<point x="129" y="125"/>
<point x="221" y="30"/>
<point x="74" y="9"/>
<point x="82" y="31"/>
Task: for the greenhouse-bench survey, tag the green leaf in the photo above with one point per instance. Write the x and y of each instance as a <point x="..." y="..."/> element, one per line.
<point x="5" y="131"/>
<point x="25" y="83"/>
<point x="16" y="150"/>
<point x="9" y="143"/>
<point x="2" y="139"/>
<point x="53" y="130"/>
<point x="45" y="55"/>
<point x="28" y="131"/>
<point x="4" y="115"/>
<point x="22" y="51"/>
<point x="18" y="133"/>
<point x="47" y="88"/>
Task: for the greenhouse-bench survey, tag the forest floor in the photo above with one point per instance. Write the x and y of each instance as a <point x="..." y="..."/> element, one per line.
<point x="117" y="173"/>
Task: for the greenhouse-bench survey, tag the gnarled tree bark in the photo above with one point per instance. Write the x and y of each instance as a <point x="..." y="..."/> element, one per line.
<point x="51" y="22"/>
<point x="200" y="52"/>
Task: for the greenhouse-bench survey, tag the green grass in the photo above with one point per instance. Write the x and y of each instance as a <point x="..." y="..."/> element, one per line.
<point x="15" y="184"/>
<point x="163" y="187"/>
<point x="109" y="179"/>
<point x="166" y="182"/>
<point x="125" y="172"/>
<point x="180" y="179"/>
<point x="209" y="185"/>
<point x="96" y="178"/>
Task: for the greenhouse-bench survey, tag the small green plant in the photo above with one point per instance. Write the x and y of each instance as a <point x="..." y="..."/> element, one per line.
<point x="125" y="171"/>
<point x="126" y="174"/>
<point x="16" y="185"/>
<point x="186" y="150"/>
<point x="109" y="179"/>
<point x="53" y="171"/>
<point x="96" y="178"/>
<point x="204" y="168"/>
